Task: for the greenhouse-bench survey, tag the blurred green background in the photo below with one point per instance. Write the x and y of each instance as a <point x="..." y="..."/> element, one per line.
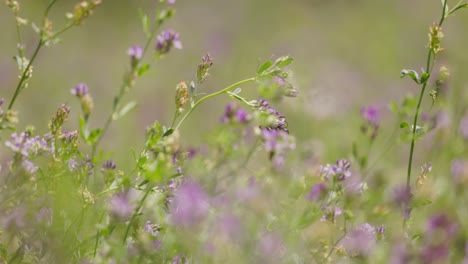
<point x="348" y="54"/>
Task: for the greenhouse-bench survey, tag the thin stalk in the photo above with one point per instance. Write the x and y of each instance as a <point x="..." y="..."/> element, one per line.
<point x="40" y="44"/>
<point x="140" y="205"/>
<point x="429" y="63"/>
<point x="230" y="87"/>
<point x="121" y="93"/>
<point x="24" y="74"/>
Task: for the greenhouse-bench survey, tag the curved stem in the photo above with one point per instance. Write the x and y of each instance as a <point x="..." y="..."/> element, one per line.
<point x="230" y="87"/>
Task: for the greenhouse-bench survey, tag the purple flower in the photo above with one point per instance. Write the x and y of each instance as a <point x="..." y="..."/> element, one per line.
<point x="280" y="122"/>
<point x="152" y="229"/>
<point x="402" y="196"/>
<point x="120" y="206"/>
<point x="241" y="116"/>
<point x="27" y="146"/>
<point x="190" y="204"/>
<point x="1" y="101"/>
<point x="441" y="224"/>
<point x="340" y="171"/>
<point x="80" y="90"/>
<point x="171" y="2"/>
<point x="435" y="254"/>
<point x="360" y="240"/>
<point x="317" y="192"/>
<point x="15" y="219"/>
<point x="166" y="40"/>
<point x="330" y="213"/>
<point x="371" y="115"/>
<point x="229" y="224"/>
<point x="271" y="247"/>
<point x="400" y="254"/>
<point x="464" y="126"/>
<point x="135" y="52"/>
<point x="108" y="165"/>
<point x="72" y="165"/>
<point x="29" y="167"/>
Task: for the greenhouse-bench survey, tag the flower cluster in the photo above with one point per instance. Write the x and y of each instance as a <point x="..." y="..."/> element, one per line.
<point x="232" y="113"/>
<point x="166" y="40"/>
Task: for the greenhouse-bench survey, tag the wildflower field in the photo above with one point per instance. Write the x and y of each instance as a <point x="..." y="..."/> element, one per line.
<point x="266" y="131"/>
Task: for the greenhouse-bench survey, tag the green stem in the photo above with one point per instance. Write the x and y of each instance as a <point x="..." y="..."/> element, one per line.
<point x="25" y="74"/>
<point x="230" y="87"/>
<point x="429" y="62"/>
<point x="140" y="205"/>
<point x="122" y="90"/>
<point x="40" y="44"/>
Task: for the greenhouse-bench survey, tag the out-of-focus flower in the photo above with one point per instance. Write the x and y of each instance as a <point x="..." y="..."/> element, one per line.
<point x="234" y="113"/>
<point x="330" y="213"/>
<point x="271" y="248"/>
<point x="29" y="167"/>
<point x="371" y="115"/>
<point x="135" y="52"/>
<point x="152" y="229"/>
<point x="339" y="171"/>
<point x="464" y="126"/>
<point x="317" y="192"/>
<point x="108" y="165"/>
<point x="400" y="254"/>
<point x="402" y="197"/>
<point x="15" y="219"/>
<point x="440" y="224"/>
<point x="80" y="90"/>
<point x="360" y="240"/>
<point x="120" y="206"/>
<point x="190" y="204"/>
<point x="72" y="165"/>
<point x="166" y="40"/>
<point x="435" y="254"/>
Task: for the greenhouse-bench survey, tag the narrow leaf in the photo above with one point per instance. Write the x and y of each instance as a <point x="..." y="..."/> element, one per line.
<point x="125" y="110"/>
<point x="411" y="73"/>
<point x="264" y="67"/>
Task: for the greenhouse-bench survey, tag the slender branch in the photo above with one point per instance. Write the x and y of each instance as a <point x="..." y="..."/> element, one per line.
<point x="230" y="87"/>
<point x="25" y="74"/>
<point x="140" y="205"/>
<point x="122" y="90"/>
<point x="429" y="62"/>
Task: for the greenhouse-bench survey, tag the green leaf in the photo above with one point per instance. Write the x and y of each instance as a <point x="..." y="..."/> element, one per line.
<point x="404" y="124"/>
<point x="413" y="74"/>
<point x="264" y="67"/>
<point x="124" y="110"/>
<point x="168" y="132"/>
<point x="420" y="202"/>
<point x="457" y="8"/>
<point x="143" y="69"/>
<point x="283" y="61"/>
<point x="94" y="135"/>
<point x="144" y="21"/>
<point x="424" y="77"/>
<point x="84" y="133"/>
<point x="394" y="107"/>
